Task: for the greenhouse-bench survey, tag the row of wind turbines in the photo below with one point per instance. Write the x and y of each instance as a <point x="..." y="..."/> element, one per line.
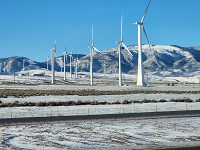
<point x="53" y="52"/>
<point x="140" y="77"/>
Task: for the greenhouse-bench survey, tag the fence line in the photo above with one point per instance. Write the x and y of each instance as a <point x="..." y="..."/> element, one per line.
<point x="23" y="112"/>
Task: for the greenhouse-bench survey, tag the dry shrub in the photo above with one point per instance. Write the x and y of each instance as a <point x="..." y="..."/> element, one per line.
<point x="71" y="103"/>
<point x="94" y="103"/>
<point x="126" y="102"/>
<point x="79" y="102"/>
<point x="148" y="101"/>
<point x="162" y="100"/>
<point x="135" y="101"/>
<point x="103" y="103"/>
<point x="117" y="102"/>
<point x="181" y="100"/>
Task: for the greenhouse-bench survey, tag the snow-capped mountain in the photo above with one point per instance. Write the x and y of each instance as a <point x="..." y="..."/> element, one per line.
<point x="169" y="60"/>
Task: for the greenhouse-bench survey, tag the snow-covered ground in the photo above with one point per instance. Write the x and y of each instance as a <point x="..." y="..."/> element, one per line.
<point x="102" y="134"/>
<point x="44" y="77"/>
<point x="99" y="134"/>
<point x="102" y="98"/>
<point x="17" y="112"/>
<point x="102" y="87"/>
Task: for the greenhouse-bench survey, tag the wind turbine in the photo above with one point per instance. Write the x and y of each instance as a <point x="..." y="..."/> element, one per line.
<point x="92" y="48"/>
<point x="65" y="55"/>
<point x="23" y="64"/>
<point x="70" y="63"/>
<point x="4" y="69"/>
<point x="120" y="45"/>
<point x="76" y="65"/>
<point x="140" y="78"/>
<point x="53" y="51"/>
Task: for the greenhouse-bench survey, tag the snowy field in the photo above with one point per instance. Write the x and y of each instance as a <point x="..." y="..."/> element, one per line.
<point x="99" y="134"/>
<point x="28" y="77"/>
<point x="19" y="112"/>
<point x="102" y="134"/>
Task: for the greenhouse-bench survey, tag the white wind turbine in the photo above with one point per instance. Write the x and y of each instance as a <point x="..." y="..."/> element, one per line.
<point x="4" y="69"/>
<point x="24" y="64"/>
<point x="53" y="51"/>
<point x="92" y="48"/>
<point x="70" y="63"/>
<point x="76" y="65"/>
<point x="140" y="78"/>
<point x="65" y="55"/>
<point x="120" y="45"/>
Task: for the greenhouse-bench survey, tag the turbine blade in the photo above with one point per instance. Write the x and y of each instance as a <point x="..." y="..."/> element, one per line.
<point x="65" y="47"/>
<point x="118" y="50"/>
<point x="146" y="36"/>
<point x="127" y="48"/>
<point x="121" y="28"/>
<point x="54" y="44"/>
<point x="96" y="49"/>
<point x="92" y="35"/>
<point x="143" y="17"/>
<point x="72" y="55"/>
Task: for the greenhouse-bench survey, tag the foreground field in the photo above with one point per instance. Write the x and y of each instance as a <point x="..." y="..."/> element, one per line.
<point x="103" y="134"/>
<point x="98" y="134"/>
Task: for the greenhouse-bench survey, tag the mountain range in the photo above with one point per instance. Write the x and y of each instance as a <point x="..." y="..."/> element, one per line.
<point x="163" y="60"/>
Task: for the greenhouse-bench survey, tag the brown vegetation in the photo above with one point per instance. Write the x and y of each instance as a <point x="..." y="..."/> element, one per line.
<point x="73" y="103"/>
<point x="4" y="93"/>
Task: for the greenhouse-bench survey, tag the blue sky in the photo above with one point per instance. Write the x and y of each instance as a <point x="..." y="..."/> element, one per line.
<point x="28" y="27"/>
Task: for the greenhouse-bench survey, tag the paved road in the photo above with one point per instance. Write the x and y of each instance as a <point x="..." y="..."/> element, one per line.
<point x="180" y="148"/>
<point x="168" y="114"/>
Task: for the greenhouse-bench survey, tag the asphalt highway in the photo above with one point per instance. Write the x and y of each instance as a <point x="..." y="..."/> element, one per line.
<point x="145" y="115"/>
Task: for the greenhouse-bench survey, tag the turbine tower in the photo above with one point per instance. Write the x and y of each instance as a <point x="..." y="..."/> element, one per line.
<point x="65" y="55"/>
<point x="24" y="64"/>
<point x="4" y="69"/>
<point x="140" y="78"/>
<point x="70" y="63"/>
<point x="120" y="45"/>
<point x="92" y="48"/>
<point x="76" y="65"/>
<point x="53" y="51"/>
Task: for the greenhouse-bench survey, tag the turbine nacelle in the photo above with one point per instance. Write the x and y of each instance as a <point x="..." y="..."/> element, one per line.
<point x="53" y="49"/>
<point x="138" y="23"/>
<point x="119" y="42"/>
<point x="65" y="53"/>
